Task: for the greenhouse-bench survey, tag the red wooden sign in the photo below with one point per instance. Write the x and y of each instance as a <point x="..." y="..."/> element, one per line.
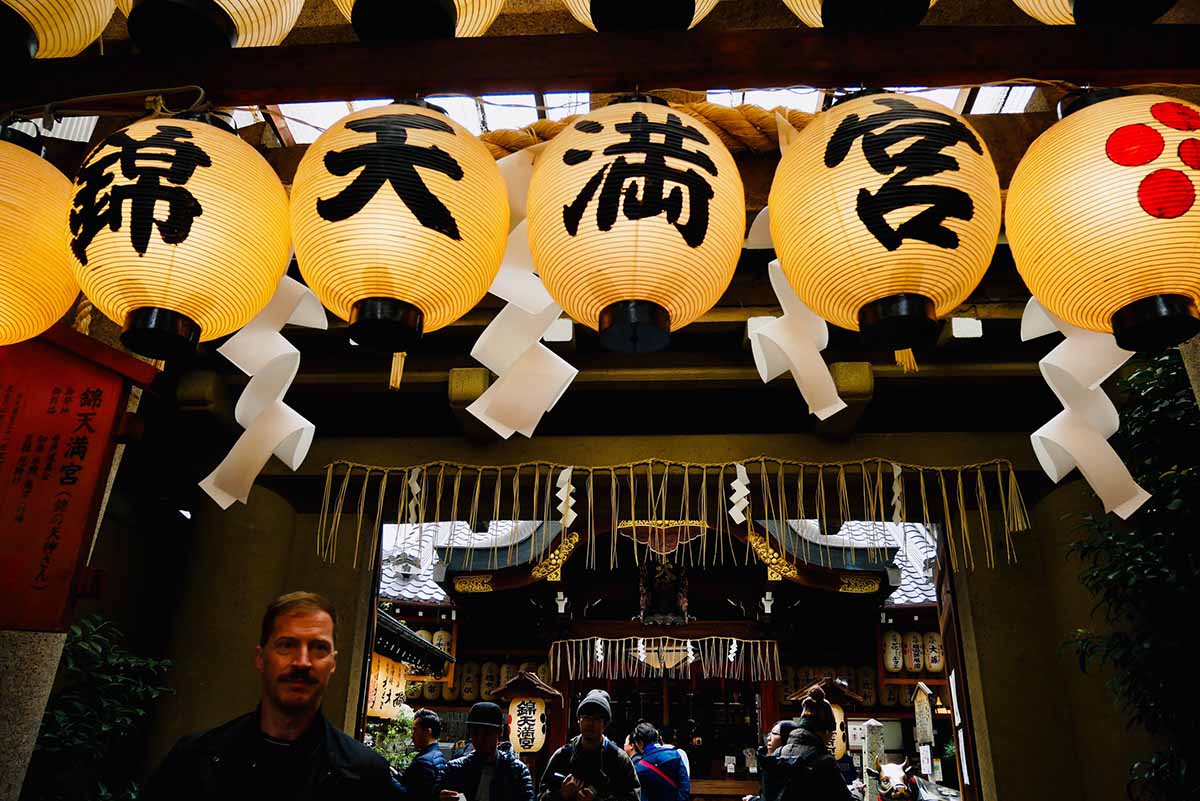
<point x="62" y="397"/>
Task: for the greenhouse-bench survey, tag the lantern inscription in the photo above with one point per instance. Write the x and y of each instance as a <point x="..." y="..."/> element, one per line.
<point x="621" y="177"/>
<point x="526" y="723"/>
<point x="162" y="156"/>
<point x="933" y="131"/>
<point x="392" y="159"/>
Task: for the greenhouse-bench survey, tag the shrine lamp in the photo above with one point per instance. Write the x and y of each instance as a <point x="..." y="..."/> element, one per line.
<point x="38" y="29"/>
<point x="178" y="230"/>
<point x="400" y="220"/>
<point x="885" y="212"/>
<point x="170" y="25"/>
<point x="1095" y="12"/>
<point x="1102" y="219"/>
<point x="637" y="15"/>
<point x="36" y="285"/>
<point x="529" y="701"/>
<point x="385" y="20"/>
<point x="636" y="217"/>
<point x="860" y="13"/>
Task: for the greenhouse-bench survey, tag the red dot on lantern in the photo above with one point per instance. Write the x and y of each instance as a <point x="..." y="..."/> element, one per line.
<point x="1166" y="194"/>
<point x="1134" y="145"/>
<point x="1189" y="153"/>
<point x="1177" y="116"/>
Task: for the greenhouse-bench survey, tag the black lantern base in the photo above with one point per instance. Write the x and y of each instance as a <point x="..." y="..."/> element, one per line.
<point x="388" y="20"/>
<point x="386" y="324"/>
<point x="30" y="141"/>
<point x="171" y="26"/>
<point x="1120" y="12"/>
<point x="1156" y="322"/>
<point x="159" y="333"/>
<point x="872" y="14"/>
<point x="18" y="41"/>
<point x="899" y="321"/>
<point x="640" y="15"/>
<point x="635" y="326"/>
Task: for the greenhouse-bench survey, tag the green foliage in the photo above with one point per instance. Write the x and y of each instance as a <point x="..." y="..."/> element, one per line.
<point x="1145" y="575"/>
<point x="103" y="694"/>
<point x="393" y="740"/>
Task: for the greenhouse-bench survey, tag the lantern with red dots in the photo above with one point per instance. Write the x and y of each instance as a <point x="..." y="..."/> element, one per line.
<point x="1103" y="221"/>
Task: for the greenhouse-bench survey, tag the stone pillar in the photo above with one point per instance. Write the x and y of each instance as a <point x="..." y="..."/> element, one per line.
<point x="872" y="755"/>
<point x="28" y="663"/>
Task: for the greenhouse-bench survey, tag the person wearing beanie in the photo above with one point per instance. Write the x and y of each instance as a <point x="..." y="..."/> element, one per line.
<point x="490" y="772"/>
<point x="590" y="767"/>
<point x="804" y="765"/>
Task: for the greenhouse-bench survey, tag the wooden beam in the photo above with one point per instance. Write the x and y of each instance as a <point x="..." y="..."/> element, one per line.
<point x="922" y="56"/>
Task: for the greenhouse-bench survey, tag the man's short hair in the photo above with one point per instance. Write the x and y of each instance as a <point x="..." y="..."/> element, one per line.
<point x="430" y="720"/>
<point x="667" y="733"/>
<point x="290" y="603"/>
<point x="646" y="734"/>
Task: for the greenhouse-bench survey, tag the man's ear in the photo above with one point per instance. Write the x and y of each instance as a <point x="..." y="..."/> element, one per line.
<point x="333" y="669"/>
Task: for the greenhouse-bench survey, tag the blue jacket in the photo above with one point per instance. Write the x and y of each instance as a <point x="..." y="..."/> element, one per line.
<point x="423" y="777"/>
<point x="667" y="780"/>
<point x="511" y="780"/>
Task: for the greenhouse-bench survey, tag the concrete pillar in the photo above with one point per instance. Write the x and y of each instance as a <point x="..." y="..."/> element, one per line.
<point x="872" y="755"/>
<point x="28" y="663"/>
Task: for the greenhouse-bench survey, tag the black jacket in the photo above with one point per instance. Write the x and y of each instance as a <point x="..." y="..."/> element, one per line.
<point x="803" y="770"/>
<point x="511" y="780"/>
<point x="228" y="763"/>
<point x="616" y="779"/>
<point x="423" y="777"/>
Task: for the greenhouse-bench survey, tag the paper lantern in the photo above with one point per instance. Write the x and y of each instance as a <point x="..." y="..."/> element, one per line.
<point x="528" y="667"/>
<point x="443" y="639"/>
<point x="36" y="284"/>
<point x="508" y="671"/>
<point x="1103" y="223"/>
<point x="904" y="695"/>
<point x="383" y="20"/>
<point x="470" y="681"/>
<point x="885" y="211"/>
<point x="179" y="230"/>
<point x="893" y="652"/>
<point x="636" y="218"/>
<point x="866" y="685"/>
<point x="41" y="29"/>
<point x="859" y="13"/>
<point x="451" y="689"/>
<point x="414" y="690"/>
<point x="914" y="652"/>
<point x="891" y="695"/>
<point x="1095" y="12"/>
<point x="489" y="680"/>
<point x="171" y="25"/>
<point x="935" y="654"/>
<point x="400" y="220"/>
<point x="527" y="724"/>
<point x="635" y="15"/>
<point x="433" y="690"/>
<point x="841" y="737"/>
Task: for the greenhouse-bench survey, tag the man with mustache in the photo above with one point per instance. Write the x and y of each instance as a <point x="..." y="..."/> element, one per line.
<point x="285" y="749"/>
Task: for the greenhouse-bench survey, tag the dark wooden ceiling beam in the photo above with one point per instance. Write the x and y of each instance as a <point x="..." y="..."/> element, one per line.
<point x="922" y="56"/>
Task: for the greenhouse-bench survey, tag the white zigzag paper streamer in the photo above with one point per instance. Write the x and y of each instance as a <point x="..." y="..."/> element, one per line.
<point x="739" y="499"/>
<point x="1077" y="437"/>
<point x="566" y="500"/>
<point x="271" y="426"/>
<point x="414" y="494"/>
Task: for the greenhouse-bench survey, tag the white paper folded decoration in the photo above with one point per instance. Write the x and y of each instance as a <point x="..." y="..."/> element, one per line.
<point x="759" y="236"/>
<point x="260" y="351"/>
<point x="566" y="500"/>
<point x="1077" y="437"/>
<point x="739" y="497"/>
<point x="793" y="343"/>
<point x="414" y="495"/>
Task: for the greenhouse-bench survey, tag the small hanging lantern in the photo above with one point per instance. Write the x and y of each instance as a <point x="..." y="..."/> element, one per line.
<point x="859" y="13"/>
<point x="527" y="724"/>
<point x="489" y="680"/>
<point x="935" y="654"/>
<point x="885" y="211"/>
<point x="633" y="15"/>
<point x="387" y="20"/>
<point x="1102" y="218"/>
<point x="470" y="682"/>
<point x="893" y="651"/>
<point x="170" y="25"/>
<point x="178" y="230"/>
<point x="400" y="220"/>
<point x="866" y="685"/>
<point x="636" y="221"/>
<point x="914" y="652"/>
<point x="508" y="672"/>
<point x="39" y="29"/>
<point x="1095" y="12"/>
<point x="452" y="688"/>
<point x="36" y="284"/>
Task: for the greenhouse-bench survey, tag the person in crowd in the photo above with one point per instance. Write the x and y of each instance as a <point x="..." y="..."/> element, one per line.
<point x="423" y="776"/>
<point x="285" y="749"/>
<point x="667" y="733"/>
<point x="490" y="772"/>
<point x="769" y="781"/>
<point x="805" y="763"/>
<point x="660" y="772"/>
<point x="631" y="749"/>
<point x="590" y="767"/>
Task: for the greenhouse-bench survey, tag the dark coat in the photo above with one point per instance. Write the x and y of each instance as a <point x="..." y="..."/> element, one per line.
<point x="511" y="780"/>
<point x="220" y="764"/>
<point x="617" y="782"/>
<point x="667" y="780"/>
<point x="423" y="777"/>
<point x="804" y="770"/>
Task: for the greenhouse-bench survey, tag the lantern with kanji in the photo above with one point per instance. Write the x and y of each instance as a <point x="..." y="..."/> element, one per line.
<point x="866" y="685"/>
<point x="36" y="284"/>
<point x="179" y="231"/>
<point x="40" y="29"/>
<point x="636" y="218"/>
<point x="384" y="20"/>
<point x="400" y="220"/>
<point x="893" y="651"/>
<point x="885" y="211"/>
<point x="935" y="653"/>
<point x="469" y="691"/>
<point x="489" y="680"/>
<point x="914" y="652"/>
<point x="1095" y="12"/>
<point x="629" y="15"/>
<point x="169" y="25"/>
<point x="1103" y="221"/>
<point x="859" y="14"/>
<point x="529" y="701"/>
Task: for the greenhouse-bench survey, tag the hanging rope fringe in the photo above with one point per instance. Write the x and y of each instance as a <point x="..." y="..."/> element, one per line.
<point x="906" y="360"/>
<point x="397" y="370"/>
<point x="680" y="511"/>
<point x="646" y="657"/>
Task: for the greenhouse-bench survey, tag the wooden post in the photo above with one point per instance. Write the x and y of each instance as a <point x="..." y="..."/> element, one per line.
<point x="872" y="755"/>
